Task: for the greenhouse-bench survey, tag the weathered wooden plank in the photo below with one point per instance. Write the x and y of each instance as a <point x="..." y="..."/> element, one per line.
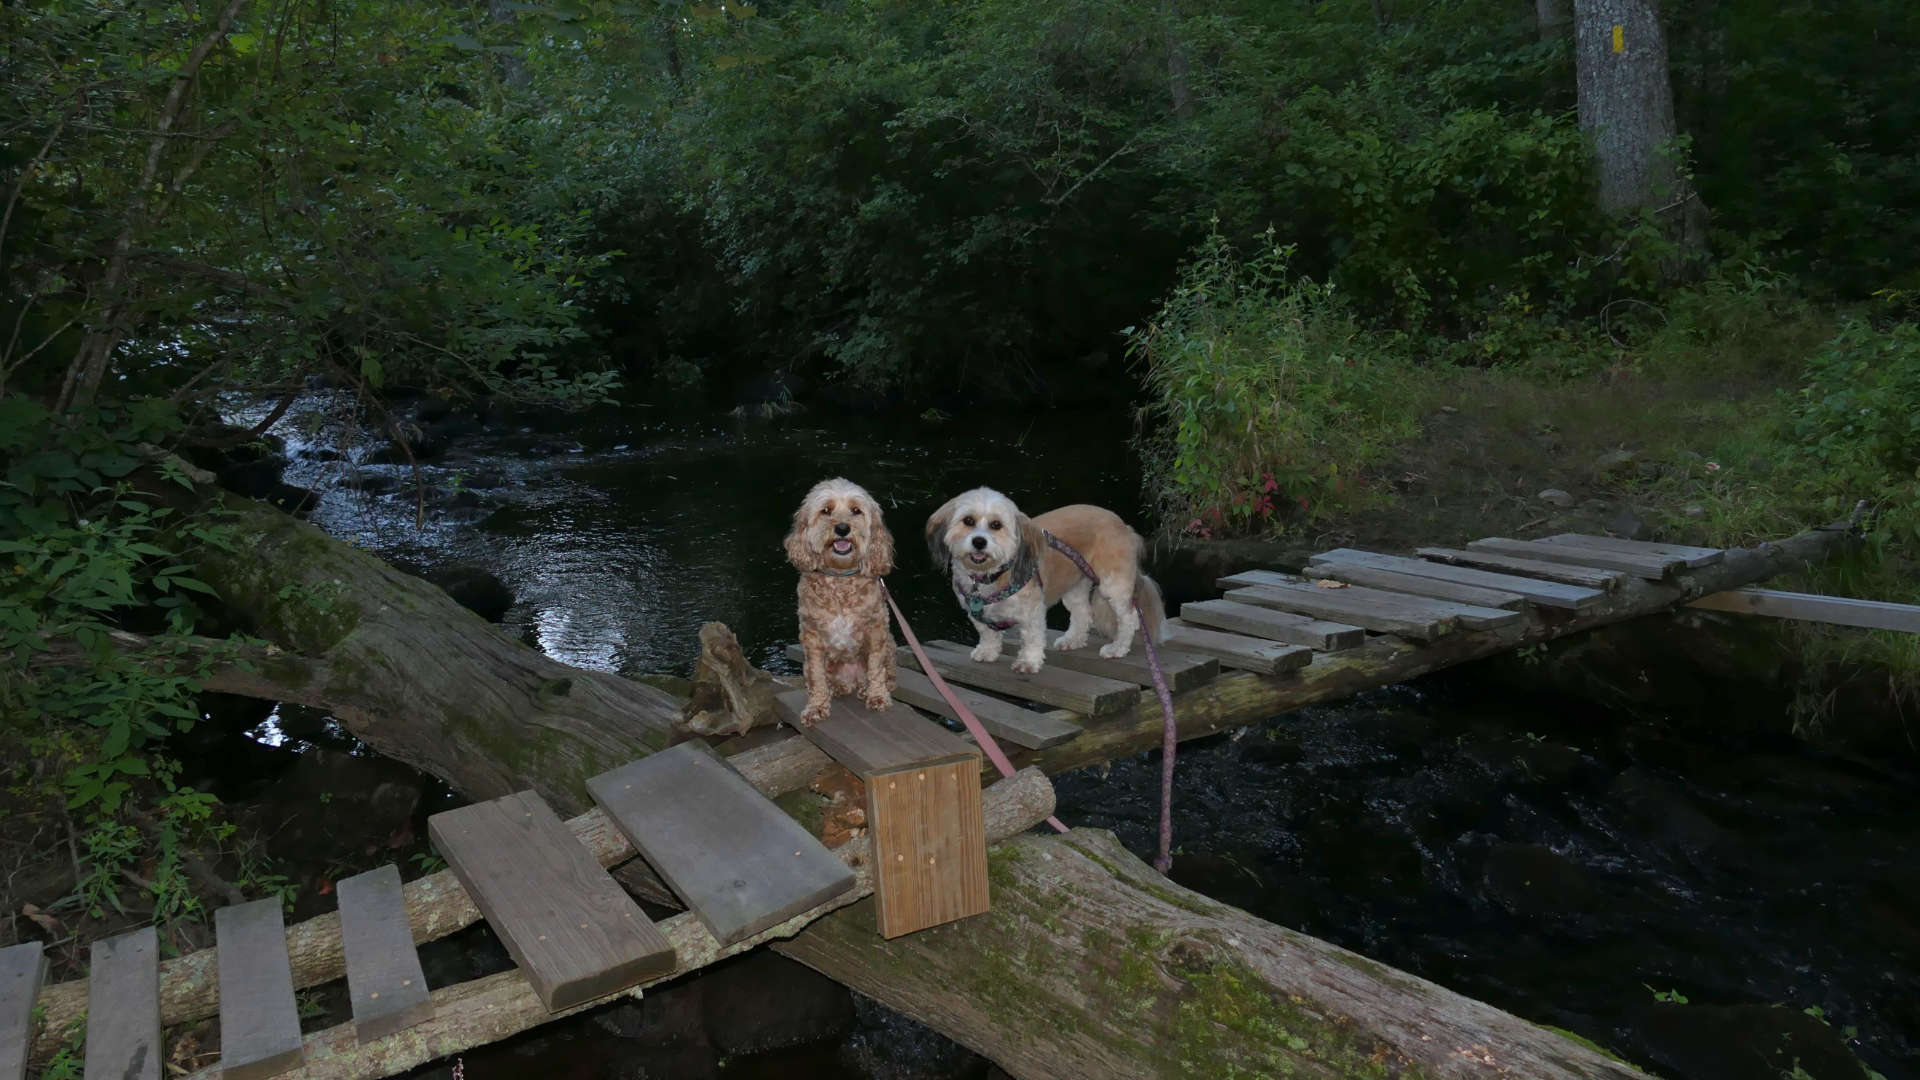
<point x="1551" y="594"/>
<point x="1394" y="581"/>
<point x="1237" y="650"/>
<point x="1692" y="557"/>
<point x="1183" y="670"/>
<point x="259" y="1020"/>
<point x="123" y="1008"/>
<point x="384" y="979"/>
<point x="573" y="930"/>
<point x="869" y="741"/>
<point x="22" y="969"/>
<point x="1088" y="695"/>
<point x="1809" y="607"/>
<point x="1273" y="625"/>
<point x="737" y="860"/>
<point x="929" y="846"/>
<point x="1587" y="576"/>
<point x="1419" y="617"/>
<point x="1004" y="720"/>
<point x="1651" y="567"/>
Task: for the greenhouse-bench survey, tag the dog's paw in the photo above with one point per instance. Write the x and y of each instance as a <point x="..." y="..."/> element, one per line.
<point x="1069" y="642"/>
<point x="877" y="700"/>
<point x="1114" y="650"/>
<point x="814" y="713"/>
<point x="1029" y="665"/>
<point x="985" y="653"/>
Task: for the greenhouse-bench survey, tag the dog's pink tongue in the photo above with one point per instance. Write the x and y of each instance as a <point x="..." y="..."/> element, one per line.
<point x="841" y="547"/>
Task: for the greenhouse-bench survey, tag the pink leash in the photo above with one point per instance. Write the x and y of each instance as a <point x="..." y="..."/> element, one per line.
<point x="987" y="745"/>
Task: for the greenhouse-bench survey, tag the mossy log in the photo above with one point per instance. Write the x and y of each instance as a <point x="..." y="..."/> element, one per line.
<point x="1092" y="964"/>
<point x="421" y="678"/>
<point x="499" y="1006"/>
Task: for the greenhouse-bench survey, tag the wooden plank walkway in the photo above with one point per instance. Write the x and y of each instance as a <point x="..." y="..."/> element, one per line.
<point x="1238" y="650"/>
<point x="1007" y="721"/>
<point x="736" y="860"/>
<point x="569" y="926"/>
<point x="123" y="1004"/>
<point x="1253" y="621"/>
<point x="1184" y="671"/>
<point x="1586" y="576"/>
<point x="1088" y="695"/>
<point x="259" y="1020"/>
<point x="1394" y="581"/>
<point x="1639" y="564"/>
<point x="22" y="969"/>
<point x="1809" y="607"/>
<point x="384" y="980"/>
<point x="1547" y="594"/>
<point x="869" y="741"/>
<point x="1693" y="558"/>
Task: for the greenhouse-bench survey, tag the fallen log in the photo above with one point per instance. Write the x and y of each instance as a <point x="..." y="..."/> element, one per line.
<point x="436" y="906"/>
<point x="416" y="675"/>
<point x="1091" y="964"/>
<point x="487" y="1010"/>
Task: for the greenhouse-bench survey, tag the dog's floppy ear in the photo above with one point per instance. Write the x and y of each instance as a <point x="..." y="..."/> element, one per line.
<point x="937" y="533"/>
<point x="1033" y="544"/>
<point x="879" y="542"/>
<point x="799" y="552"/>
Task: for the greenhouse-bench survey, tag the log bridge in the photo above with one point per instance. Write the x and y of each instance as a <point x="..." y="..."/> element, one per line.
<point x="749" y="874"/>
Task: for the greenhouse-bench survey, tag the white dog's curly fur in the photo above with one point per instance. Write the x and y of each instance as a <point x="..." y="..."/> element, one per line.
<point x="987" y="546"/>
<point x="841" y="547"/>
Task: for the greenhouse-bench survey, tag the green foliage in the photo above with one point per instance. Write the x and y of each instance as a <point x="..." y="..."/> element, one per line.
<point x="1268" y="399"/>
<point x="1859" y="412"/>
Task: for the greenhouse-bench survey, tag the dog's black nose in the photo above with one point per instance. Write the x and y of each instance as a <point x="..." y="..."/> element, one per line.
<point x="979" y="543"/>
<point x="842" y="529"/>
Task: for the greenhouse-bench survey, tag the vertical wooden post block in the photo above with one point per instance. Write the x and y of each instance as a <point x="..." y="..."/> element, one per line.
<point x="929" y="845"/>
<point x="923" y="809"/>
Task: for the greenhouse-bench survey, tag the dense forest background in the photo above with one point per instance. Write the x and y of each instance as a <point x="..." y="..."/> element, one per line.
<point x="1286" y="233"/>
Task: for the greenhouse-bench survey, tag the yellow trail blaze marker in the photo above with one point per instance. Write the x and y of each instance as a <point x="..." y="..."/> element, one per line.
<point x="1619" y="38"/>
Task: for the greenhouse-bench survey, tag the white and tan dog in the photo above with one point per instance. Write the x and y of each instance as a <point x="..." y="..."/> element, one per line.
<point x="1006" y="575"/>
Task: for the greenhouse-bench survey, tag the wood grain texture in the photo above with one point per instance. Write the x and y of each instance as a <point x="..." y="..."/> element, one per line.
<point x="1088" y="695"/>
<point x="384" y="979"/>
<point x="1235" y="617"/>
<point x="1810" y="607"/>
<point x="734" y="858"/>
<point x="1548" y="594"/>
<point x="1691" y="557"/>
<point x="1587" y="576"/>
<point x="870" y="742"/>
<point x="1184" y="670"/>
<point x="1377" y="609"/>
<point x="571" y="927"/>
<point x="259" y="1020"/>
<point x="123" y="1028"/>
<point x="929" y="846"/>
<point x="1394" y="581"/>
<point x="1237" y="650"/>
<point x="1006" y="721"/>
<point x="1651" y="567"/>
<point x="22" y="969"/>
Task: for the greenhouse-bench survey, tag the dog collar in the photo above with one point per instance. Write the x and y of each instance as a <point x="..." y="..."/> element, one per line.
<point x="977" y="604"/>
<point x="837" y="573"/>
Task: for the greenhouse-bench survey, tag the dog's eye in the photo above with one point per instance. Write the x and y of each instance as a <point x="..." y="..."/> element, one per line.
<point x="856" y="511"/>
<point x="967" y="521"/>
<point x="994" y="525"/>
<point x="826" y="511"/>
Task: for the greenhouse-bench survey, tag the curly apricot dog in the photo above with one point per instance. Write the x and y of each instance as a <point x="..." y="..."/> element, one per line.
<point x="842" y="548"/>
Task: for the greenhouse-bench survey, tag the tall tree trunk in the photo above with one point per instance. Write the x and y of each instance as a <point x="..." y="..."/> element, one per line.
<point x="1177" y="64"/>
<point x="1552" y="18"/>
<point x="1626" y="108"/>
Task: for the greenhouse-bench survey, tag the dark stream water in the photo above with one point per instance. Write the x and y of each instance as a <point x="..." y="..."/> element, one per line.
<point x="1549" y="858"/>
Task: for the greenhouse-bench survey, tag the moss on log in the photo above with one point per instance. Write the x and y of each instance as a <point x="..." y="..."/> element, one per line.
<point x="1091" y="964"/>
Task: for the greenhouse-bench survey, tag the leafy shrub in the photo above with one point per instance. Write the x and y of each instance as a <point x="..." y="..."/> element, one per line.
<point x="1859" y="412"/>
<point x="1268" y="400"/>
